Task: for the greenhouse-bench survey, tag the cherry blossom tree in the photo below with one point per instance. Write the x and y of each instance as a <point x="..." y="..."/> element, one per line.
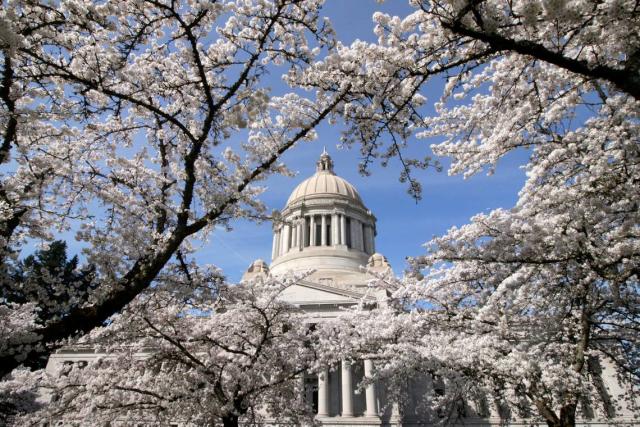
<point x="528" y="71"/>
<point x="35" y="155"/>
<point x="157" y="113"/>
<point x="528" y="301"/>
<point x="201" y="353"/>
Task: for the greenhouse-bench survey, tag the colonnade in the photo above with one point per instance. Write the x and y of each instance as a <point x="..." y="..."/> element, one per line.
<point x="332" y="229"/>
<point x="346" y="377"/>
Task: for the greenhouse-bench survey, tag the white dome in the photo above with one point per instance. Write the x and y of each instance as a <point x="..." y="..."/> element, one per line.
<point x="324" y="182"/>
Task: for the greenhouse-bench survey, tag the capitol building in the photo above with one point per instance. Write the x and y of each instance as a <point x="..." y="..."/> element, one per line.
<point x="326" y="227"/>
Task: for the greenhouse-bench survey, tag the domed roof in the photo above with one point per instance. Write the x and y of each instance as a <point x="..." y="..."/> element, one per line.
<point x="324" y="182"/>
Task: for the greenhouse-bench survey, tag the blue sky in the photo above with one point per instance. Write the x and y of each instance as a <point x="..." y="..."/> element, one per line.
<point x="403" y="226"/>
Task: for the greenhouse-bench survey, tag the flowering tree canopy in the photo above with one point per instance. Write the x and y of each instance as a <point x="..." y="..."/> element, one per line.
<point x="158" y="113"/>
<point x="525" y="299"/>
<point x="147" y="124"/>
<point x="211" y="355"/>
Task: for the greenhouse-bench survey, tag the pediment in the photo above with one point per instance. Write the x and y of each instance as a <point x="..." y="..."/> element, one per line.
<point x="306" y="292"/>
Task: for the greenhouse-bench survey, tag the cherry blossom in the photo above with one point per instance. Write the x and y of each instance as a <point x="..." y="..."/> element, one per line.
<point x="533" y="301"/>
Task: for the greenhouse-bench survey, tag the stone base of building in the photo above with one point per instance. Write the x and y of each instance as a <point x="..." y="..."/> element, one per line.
<point x="358" y="421"/>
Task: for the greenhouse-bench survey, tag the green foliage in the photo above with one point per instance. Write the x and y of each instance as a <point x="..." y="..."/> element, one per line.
<point x="51" y="281"/>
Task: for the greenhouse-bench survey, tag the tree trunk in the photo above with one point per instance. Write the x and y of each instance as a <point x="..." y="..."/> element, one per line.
<point x="567" y="417"/>
<point x="230" y="420"/>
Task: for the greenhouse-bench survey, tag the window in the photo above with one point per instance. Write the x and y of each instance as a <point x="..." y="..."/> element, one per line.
<point x="348" y="231"/>
<point x="307" y="234"/>
<point x="328" y="230"/>
<point x="318" y="221"/>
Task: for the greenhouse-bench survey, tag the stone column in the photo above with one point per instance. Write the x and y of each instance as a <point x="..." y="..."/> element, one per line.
<point x="289" y="243"/>
<point x="369" y="239"/>
<point x="312" y="230"/>
<point x="373" y="240"/>
<point x="396" y="416"/>
<point x="334" y="230"/>
<point x="355" y="226"/>
<point x="323" y="230"/>
<point x="275" y="245"/>
<point x="278" y="243"/>
<point x="285" y="238"/>
<point x="347" y="390"/>
<point x="370" y="391"/>
<point x="323" y="393"/>
<point x="294" y="234"/>
<point x="365" y="237"/>
<point x="303" y="231"/>
<point x="343" y="230"/>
